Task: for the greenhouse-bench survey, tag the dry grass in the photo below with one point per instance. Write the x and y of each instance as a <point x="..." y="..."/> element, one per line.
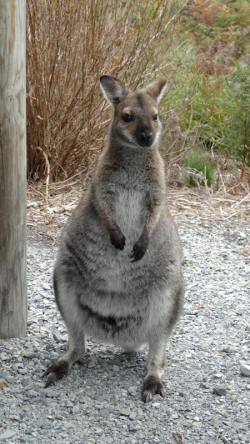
<point x="69" y="45"/>
<point x="196" y="205"/>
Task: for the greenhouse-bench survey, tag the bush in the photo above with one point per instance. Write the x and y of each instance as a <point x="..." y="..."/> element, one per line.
<point x="200" y="168"/>
<point x="220" y="100"/>
<point x="210" y="93"/>
<point x="69" y="45"/>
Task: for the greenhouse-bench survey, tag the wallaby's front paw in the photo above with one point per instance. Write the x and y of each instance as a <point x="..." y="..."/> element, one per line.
<point x="117" y="239"/>
<point x="56" y="371"/>
<point x="140" y="248"/>
<point x="151" y="386"/>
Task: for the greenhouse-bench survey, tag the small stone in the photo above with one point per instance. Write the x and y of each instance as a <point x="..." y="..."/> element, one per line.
<point x="218" y="376"/>
<point x="3" y="375"/>
<point x="219" y="390"/>
<point x="99" y="406"/>
<point x="22" y="371"/>
<point x="124" y="412"/>
<point x="3" y="383"/>
<point x="10" y="379"/>
<point x="54" y="394"/>
<point x="132" y="416"/>
<point x="132" y="391"/>
<point x="156" y="404"/>
<point x="29" y="354"/>
<point x="244" y="369"/>
<point x="98" y="430"/>
<point x="7" y="434"/>
<point x="227" y="349"/>
<point x="32" y="393"/>
<point x="14" y="417"/>
<point x="46" y="286"/>
<point x="133" y="428"/>
<point x="56" y="336"/>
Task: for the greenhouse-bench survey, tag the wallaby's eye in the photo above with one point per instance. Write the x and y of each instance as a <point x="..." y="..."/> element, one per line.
<point x="127" y="117"/>
<point x="155" y="117"/>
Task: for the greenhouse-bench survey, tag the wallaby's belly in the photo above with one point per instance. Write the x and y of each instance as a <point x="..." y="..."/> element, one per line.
<point x="129" y="330"/>
<point x="121" y="301"/>
<point x="125" y="318"/>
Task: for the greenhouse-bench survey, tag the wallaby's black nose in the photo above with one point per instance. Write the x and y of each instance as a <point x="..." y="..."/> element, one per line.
<point x="146" y="137"/>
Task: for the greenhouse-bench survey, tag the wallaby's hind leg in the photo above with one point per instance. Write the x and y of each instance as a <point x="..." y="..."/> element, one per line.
<point x="156" y="356"/>
<point x="155" y="367"/>
<point x="62" y="366"/>
<point x="66" y="297"/>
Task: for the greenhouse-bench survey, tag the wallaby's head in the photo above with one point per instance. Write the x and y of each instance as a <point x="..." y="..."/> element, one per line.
<point x="136" y="122"/>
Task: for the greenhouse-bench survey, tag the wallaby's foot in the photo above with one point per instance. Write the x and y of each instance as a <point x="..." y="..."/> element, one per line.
<point x="56" y="371"/>
<point x="151" y="386"/>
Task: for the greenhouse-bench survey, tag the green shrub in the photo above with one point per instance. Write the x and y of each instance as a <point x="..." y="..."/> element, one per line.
<point x="196" y="161"/>
<point x="237" y="109"/>
<point x="215" y="107"/>
<point x="211" y="88"/>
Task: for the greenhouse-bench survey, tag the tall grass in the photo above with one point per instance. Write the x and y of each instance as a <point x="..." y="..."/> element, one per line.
<point x="200" y="168"/>
<point x="69" y="45"/>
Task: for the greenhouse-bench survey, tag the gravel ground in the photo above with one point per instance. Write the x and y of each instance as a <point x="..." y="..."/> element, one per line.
<point x="206" y="384"/>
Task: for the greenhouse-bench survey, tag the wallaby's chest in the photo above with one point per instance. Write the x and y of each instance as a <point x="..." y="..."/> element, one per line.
<point x="129" y="187"/>
<point x="129" y="211"/>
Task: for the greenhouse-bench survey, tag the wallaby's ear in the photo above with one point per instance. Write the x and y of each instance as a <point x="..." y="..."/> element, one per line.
<point x="112" y="89"/>
<point x="156" y="89"/>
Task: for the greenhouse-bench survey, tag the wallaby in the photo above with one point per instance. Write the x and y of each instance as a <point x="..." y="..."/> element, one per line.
<point x="118" y="276"/>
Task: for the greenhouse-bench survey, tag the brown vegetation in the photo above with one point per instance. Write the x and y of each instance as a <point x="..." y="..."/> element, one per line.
<point x="69" y="45"/>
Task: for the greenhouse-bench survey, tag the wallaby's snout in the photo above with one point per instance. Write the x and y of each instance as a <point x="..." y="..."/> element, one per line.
<point x="145" y="136"/>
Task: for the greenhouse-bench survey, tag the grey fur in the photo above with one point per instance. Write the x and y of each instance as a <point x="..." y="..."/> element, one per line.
<point x="118" y="275"/>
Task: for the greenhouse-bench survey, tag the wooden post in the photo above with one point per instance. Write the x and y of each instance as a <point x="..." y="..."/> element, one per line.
<point x="13" y="296"/>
